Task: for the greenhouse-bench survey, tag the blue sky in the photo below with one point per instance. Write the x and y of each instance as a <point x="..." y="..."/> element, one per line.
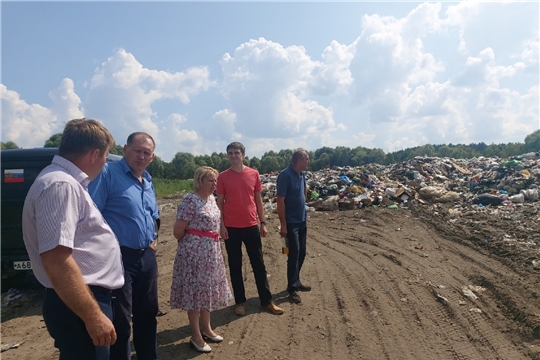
<point x="273" y="76"/>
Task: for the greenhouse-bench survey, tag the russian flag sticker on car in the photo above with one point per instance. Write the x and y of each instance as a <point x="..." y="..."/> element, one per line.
<point x="13" y="175"/>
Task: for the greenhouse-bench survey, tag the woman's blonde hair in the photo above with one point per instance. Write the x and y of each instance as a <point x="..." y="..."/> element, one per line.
<point x="201" y="173"/>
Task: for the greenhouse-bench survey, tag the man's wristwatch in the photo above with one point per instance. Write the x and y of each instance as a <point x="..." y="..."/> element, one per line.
<point x="263" y="222"/>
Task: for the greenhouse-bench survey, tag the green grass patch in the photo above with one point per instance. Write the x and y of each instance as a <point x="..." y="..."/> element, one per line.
<point x="167" y="187"/>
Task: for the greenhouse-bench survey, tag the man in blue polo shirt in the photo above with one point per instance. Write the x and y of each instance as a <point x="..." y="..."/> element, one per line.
<point x="291" y="207"/>
<point x="125" y="195"/>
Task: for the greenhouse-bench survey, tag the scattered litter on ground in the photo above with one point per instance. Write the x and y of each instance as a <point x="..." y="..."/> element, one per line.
<point x="12" y="295"/>
<point x="468" y="292"/>
<point x="6" y="347"/>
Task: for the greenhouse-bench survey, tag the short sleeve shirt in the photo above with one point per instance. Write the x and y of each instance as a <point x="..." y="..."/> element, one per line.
<point x="291" y="186"/>
<point x="59" y="211"/>
<point x="239" y="189"/>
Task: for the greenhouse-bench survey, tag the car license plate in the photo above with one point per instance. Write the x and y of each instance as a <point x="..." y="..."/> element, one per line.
<point x="22" y="265"/>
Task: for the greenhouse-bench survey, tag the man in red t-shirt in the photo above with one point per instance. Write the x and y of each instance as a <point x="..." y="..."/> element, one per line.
<point x="239" y="199"/>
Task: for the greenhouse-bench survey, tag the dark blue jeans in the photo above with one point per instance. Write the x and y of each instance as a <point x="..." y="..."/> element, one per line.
<point x="68" y="330"/>
<point x="296" y="238"/>
<point x="251" y="237"/>
<point x="138" y="297"/>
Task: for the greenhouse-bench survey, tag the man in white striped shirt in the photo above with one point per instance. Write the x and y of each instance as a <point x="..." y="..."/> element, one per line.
<point x="73" y="251"/>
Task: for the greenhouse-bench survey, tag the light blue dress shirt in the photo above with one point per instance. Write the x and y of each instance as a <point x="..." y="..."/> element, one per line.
<point x="129" y="206"/>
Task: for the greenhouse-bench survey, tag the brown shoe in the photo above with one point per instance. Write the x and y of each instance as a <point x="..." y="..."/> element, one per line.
<point x="274" y="309"/>
<point x="240" y="309"/>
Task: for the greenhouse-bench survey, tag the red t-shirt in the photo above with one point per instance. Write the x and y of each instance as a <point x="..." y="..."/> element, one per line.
<point x="239" y="188"/>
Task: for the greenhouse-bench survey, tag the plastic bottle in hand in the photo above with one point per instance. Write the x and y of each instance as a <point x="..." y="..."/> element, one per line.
<point x="285" y="246"/>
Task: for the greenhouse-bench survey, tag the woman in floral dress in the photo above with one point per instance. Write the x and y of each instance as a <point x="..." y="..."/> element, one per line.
<point x="199" y="282"/>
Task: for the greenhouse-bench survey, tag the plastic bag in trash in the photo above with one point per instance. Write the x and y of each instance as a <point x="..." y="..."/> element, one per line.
<point x="517" y="199"/>
<point x="488" y="199"/>
<point x="390" y="192"/>
<point x="345" y="180"/>
<point x="530" y="194"/>
<point x="511" y="163"/>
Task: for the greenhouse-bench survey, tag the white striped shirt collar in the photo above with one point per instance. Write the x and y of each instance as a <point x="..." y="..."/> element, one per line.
<point x="72" y="169"/>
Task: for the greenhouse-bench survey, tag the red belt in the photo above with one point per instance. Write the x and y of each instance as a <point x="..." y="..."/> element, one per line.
<point x="210" y="234"/>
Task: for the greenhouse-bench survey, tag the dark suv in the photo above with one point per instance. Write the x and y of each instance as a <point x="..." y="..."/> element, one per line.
<point x="20" y="167"/>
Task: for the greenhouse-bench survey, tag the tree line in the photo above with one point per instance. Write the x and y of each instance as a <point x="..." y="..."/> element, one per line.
<point x="183" y="165"/>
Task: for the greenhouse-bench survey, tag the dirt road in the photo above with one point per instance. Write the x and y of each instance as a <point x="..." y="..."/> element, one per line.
<point x="387" y="284"/>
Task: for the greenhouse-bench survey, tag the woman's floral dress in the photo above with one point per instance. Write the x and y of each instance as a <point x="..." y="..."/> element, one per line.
<point x="199" y="278"/>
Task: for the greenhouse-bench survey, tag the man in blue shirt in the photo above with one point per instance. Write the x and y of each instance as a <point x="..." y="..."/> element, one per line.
<point x="291" y="207"/>
<point x="125" y="195"/>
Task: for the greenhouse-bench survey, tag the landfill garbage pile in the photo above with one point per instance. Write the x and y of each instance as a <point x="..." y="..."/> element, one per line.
<point x="493" y="202"/>
<point x="481" y="181"/>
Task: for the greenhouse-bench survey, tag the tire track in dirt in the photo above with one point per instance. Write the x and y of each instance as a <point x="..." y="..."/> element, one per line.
<point x="349" y="321"/>
<point x="319" y="311"/>
<point x="375" y="310"/>
<point x="356" y="304"/>
<point x="445" y="320"/>
<point x="481" y="330"/>
<point x="513" y="294"/>
<point x="257" y="326"/>
<point x="486" y="335"/>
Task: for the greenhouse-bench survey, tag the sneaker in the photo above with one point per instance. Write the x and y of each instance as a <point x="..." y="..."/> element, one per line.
<point x="240" y="309"/>
<point x="295" y="298"/>
<point x="303" y="287"/>
<point x="274" y="309"/>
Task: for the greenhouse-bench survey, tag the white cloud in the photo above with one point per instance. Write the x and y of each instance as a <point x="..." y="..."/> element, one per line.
<point x="501" y="26"/>
<point x="332" y="76"/>
<point x="222" y="126"/>
<point x="364" y="140"/>
<point x="122" y="93"/>
<point x="459" y="16"/>
<point x="182" y="140"/>
<point x="268" y="87"/>
<point x="477" y="70"/>
<point x="530" y="52"/>
<point x="389" y="59"/>
<point x="30" y="125"/>
<point x="493" y="112"/>
<point x="172" y="126"/>
<point x="395" y="81"/>
<point x="66" y="104"/>
<point x="432" y="76"/>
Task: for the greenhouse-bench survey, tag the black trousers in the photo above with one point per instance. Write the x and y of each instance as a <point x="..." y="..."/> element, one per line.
<point x="138" y="297"/>
<point x="69" y="331"/>
<point x="251" y="237"/>
<point x="296" y="238"/>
